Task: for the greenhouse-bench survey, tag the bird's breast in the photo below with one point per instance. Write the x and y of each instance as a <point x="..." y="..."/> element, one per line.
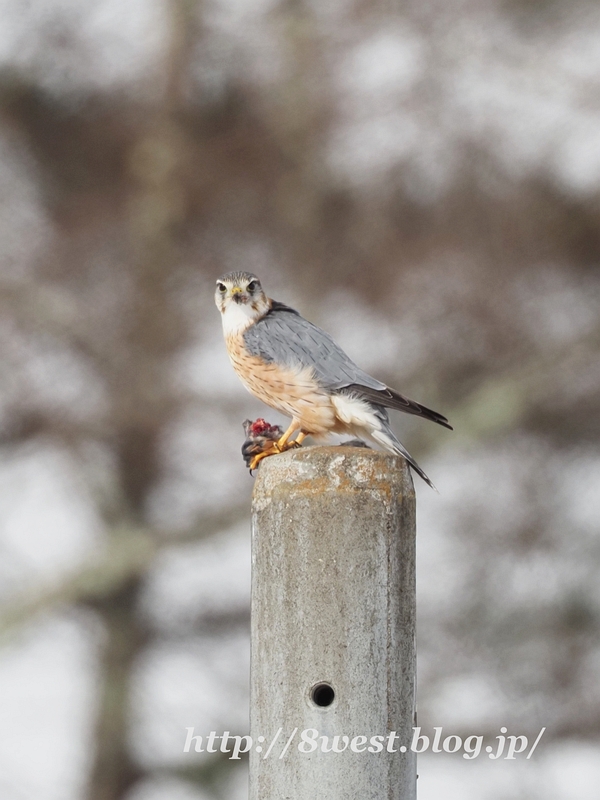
<point x="292" y="390"/>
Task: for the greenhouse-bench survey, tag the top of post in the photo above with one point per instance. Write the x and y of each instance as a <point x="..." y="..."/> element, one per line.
<point x="337" y="469"/>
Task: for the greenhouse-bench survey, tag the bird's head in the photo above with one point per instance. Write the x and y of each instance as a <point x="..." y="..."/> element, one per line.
<point x="241" y="300"/>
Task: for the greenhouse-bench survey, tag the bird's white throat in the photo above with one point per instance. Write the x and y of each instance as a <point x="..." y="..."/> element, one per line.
<point x="236" y="317"/>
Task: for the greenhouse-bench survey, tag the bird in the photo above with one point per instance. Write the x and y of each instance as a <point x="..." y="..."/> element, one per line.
<point x="297" y="369"/>
<point x="259" y="437"/>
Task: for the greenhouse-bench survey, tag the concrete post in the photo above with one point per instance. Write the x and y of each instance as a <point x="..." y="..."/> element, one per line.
<point x="333" y="626"/>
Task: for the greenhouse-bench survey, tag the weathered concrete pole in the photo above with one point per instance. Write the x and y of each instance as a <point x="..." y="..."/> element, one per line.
<point x="333" y="626"/>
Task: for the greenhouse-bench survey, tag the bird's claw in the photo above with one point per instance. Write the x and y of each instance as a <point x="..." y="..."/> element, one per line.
<point x="263" y="440"/>
<point x="258" y="457"/>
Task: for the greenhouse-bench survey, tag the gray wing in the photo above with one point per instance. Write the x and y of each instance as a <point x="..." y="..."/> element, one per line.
<point x="284" y="337"/>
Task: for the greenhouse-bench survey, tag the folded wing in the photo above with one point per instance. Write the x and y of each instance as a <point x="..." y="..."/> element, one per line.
<point x="284" y="337"/>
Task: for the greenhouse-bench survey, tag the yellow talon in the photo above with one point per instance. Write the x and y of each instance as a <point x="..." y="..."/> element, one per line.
<point x="277" y="447"/>
<point x="271" y="451"/>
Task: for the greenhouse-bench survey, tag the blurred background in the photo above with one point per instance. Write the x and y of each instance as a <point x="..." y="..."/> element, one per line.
<point x="421" y="180"/>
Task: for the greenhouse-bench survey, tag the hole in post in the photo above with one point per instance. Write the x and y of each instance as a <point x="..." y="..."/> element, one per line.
<point x="322" y="694"/>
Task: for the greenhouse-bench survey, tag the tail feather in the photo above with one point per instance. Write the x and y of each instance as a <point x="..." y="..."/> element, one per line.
<point x="369" y="420"/>
<point x="386" y="437"/>
<point x="391" y="399"/>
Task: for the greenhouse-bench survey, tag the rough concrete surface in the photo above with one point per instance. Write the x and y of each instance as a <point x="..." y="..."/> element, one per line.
<point x="333" y="600"/>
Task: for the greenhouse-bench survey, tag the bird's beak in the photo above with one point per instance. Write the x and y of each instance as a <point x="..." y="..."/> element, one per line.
<point x="237" y="294"/>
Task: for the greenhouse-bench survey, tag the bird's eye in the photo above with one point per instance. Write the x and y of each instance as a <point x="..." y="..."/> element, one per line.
<point x="252" y="286"/>
<point x="221" y="287"/>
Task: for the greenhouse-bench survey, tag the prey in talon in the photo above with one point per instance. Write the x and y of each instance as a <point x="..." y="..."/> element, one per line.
<point x="296" y="368"/>
<point x="260" y="438"/>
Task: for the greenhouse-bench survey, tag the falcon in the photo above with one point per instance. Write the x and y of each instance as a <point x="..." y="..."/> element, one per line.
<point x="296" y="368"/>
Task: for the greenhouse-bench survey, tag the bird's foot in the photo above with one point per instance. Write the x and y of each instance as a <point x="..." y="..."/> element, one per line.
<point x="289" y="445"/>
<point x="273" y="450"/>
<point x="284" y="443"/>
<point x="258" y="457"/>
<point x="261" y="441"/>
<point x="264" y="440"/>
